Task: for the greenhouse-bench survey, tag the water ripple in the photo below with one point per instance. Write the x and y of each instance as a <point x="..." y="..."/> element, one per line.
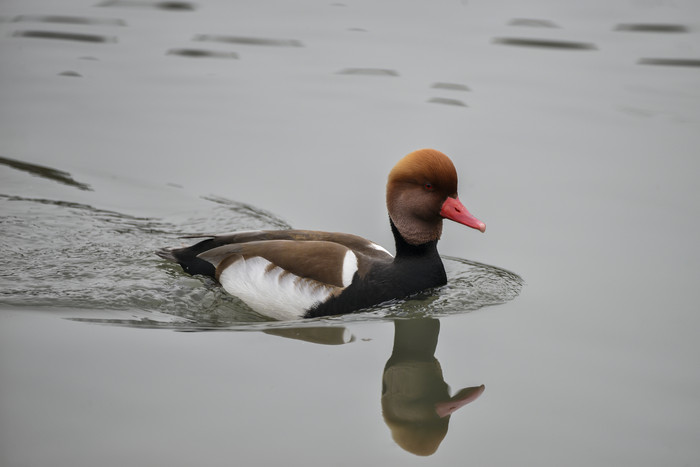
<point x="451" y="86"/>
<point x="66" y="36"/>
<point x="532" y="23"/>
<point x="447" y="101"/>
<point x="243" y="40"/>
<point x="202" y="53"/>
<point x="44" y="172"/>
<point x="167" y="5"/>
<point x="682" y="62"/>
<point x="652" y="27"/>
<point x="369" y="72"/>
<point x="544" y="43"/>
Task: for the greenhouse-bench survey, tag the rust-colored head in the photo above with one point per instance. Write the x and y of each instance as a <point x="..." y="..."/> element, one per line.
<point x="420" y="192"/>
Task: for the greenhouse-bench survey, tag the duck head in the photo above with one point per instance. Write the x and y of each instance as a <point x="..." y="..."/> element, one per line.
<point x="421" y="192"/>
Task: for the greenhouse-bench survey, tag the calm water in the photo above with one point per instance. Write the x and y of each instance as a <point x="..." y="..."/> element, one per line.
<point x="574" y="128"/>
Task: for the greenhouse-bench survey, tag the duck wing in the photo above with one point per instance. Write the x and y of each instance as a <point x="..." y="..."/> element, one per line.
<point x="279" y="273"/>
<point x="326" y="262"/>
<point x="354" y="242"/>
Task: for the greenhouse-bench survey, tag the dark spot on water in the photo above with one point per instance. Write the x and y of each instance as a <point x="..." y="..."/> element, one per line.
<point x="450" y="86"/>
<point x="184" y="6"/>
<point x="170" y="6"/>
<point x="652" y="27"/>
<point x="683" y="62"/>
<point x="202" y="53"/>
<point x="70" y="73"/>
<point x="243" y="40"/>
<point x="44" y="172"/>
<point x="447" y="101"/>
<point x="369" y="72"/>
<point x="532" y="23"/>
<point x="66" y="36"/>
<point x="94" y="59"/>
<point x="70" y="20"/>
<point x="357" y="29"/>
<point x="544" y="43"/>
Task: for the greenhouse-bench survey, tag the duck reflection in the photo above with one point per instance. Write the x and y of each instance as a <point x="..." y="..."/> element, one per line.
<point x="329" y="335"/>
<point x="415" y="398"/>
<point x="416" y="402"/>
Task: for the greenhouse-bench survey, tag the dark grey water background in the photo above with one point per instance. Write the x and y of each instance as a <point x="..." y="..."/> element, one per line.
<point x="574" y="128"/>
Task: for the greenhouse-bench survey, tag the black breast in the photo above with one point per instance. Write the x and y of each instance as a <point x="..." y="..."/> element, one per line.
<point x="414" y="269"/>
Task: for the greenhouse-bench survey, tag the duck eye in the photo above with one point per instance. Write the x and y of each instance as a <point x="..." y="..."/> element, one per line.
<point x="428" y="186"/>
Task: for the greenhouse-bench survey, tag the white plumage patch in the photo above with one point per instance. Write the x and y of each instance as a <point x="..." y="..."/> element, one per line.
<point x="272" y="291"/>
<point x="349" y="267"/>
<point x="380" y="248"/>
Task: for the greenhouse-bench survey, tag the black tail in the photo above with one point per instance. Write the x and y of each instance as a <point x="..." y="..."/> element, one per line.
<point x="187" y="258"/>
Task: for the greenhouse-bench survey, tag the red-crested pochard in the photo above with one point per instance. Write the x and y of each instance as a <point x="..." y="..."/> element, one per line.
<point x="288" y="274"/>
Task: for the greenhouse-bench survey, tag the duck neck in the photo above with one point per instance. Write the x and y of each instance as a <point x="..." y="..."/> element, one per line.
<point x="405" y="250"/>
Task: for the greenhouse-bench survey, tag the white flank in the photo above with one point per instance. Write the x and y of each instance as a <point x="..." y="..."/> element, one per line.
<point x="380" y="248"/>
<point x="349" y="267"/>
<point x="271" y="292"/>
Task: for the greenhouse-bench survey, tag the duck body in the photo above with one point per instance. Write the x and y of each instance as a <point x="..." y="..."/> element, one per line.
<point x="388" y="279"/>
<point x="291" y="274"/>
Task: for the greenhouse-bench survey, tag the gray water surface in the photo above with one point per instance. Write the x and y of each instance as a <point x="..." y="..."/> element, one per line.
<point x="567" y="334"/>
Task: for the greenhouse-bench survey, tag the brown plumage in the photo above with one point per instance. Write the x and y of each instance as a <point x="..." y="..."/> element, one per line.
<point x="417" y="187"/>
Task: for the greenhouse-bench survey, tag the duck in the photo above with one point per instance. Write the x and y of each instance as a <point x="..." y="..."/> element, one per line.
<point x="294" y="274"/>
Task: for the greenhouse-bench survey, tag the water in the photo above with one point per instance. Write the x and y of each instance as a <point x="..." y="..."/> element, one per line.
<point x="126" y="124"/>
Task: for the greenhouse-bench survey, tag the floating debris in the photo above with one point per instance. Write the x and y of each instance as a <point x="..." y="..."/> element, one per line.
<point x="70" y="73"/>
<point x="69" y="20"/>
<point x="202" y="53"/>
<point x="447" y="101"/>
<point x="66" y="36"/>
<point x="652" y="27"/>
<point x="532" y="23"/>
<point x="450" y="86"/>
<point x="685" y="62"/>
<point x="248" y="40"/>
<point x="369" y="72"/>
<point x="544" y="43"/>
